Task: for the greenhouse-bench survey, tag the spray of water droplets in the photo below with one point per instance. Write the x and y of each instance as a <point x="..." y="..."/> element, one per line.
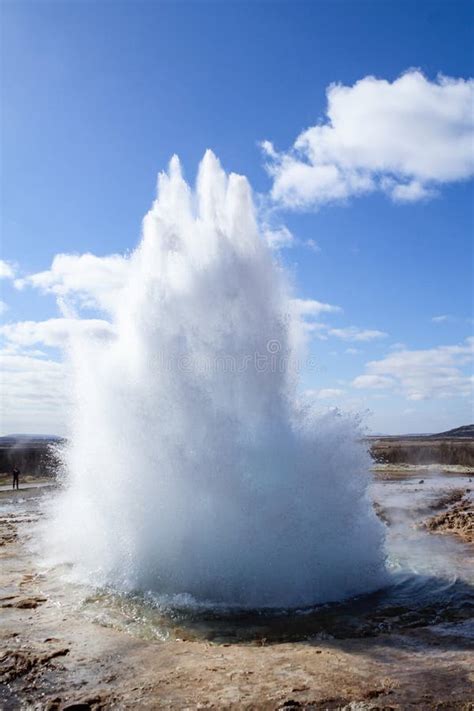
<point x="193" y="468"/>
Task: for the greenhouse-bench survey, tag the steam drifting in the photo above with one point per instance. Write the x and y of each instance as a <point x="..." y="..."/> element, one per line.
<point x="192" y="468"/>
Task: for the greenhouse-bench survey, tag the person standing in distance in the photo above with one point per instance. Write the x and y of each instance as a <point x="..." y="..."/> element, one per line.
<point x="16" y="477"/>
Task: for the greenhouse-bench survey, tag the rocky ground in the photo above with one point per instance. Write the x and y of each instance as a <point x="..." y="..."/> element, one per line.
<point x="54" y="656"/>
<point x="458" y="520"/>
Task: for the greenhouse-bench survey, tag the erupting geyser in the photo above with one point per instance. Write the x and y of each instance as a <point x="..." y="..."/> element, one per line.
<point x="192" y="466"/>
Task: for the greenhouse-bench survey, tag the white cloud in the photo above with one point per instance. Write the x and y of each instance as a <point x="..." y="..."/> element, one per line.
<point x="353" y="333"/>
<point x="35" y="387"/>
<point x="3" y="307"/>
<point x="441" y="319"/>
<point x="413" y="191"/>
<point x="88" y="280"/>
<point x="278" y="238"/>
<point x="310" y="307"/>
<point x="328" y="393"/>
<point x="7" y="270"/>
<point x="282" y="238"/>
<point x="405" y="138"/>
<point x="54" y="332"/>
<point x="422" y="374"/>
<point x="316" y="329"/>
<point x="374" y="382"/>
<point x="397" y="347"/>
<point x="312" y="245"/>
<point x="34" y="393"/>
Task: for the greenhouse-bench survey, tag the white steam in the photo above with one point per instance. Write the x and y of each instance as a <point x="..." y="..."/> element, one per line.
<point x="191" y="467"/>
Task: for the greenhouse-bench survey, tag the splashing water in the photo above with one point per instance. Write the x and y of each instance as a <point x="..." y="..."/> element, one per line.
<point x="192" y="467"/>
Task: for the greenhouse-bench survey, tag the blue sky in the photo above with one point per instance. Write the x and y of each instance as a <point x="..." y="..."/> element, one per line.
<point x="97" y="96"/>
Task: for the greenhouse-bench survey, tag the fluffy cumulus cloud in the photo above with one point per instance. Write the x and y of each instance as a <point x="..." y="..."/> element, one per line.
<point x="84" y="280"/>
<point x="55" y="332"/>
<point x="7" y="271"/>
<point x="278" y="237"/>
<point x="34" y="392"/>
<point x="440" y="372"/>
<point x="34" y="383"/>
<point x="374" y="382"/>
<point x="325" y="393"/>
<point x="405" y="138"/>
<point x="352" y="333"/>
<point x="282" y="238"/>
<point x="310" y="307"/>
<point x="309" y="310"/>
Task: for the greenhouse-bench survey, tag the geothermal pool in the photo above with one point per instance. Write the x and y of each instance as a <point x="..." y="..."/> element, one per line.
<point x="430" y="582"/>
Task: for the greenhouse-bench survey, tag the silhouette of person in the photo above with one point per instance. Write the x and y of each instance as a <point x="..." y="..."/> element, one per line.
<point x="16" y="477"/>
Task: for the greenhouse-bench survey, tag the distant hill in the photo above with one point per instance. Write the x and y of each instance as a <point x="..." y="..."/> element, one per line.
<point x="455" y="446"/>
<point x="27" y="439"/>
<point x="464" y="432"/>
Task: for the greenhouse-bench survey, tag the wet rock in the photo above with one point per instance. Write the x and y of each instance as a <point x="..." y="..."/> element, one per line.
<point x="27" y="603"/>
<point x="458" y="519"/>
<point x="96" y="702"/>
<point x="448" y="498"/>
<point x="290" y="704"/>
<point x="381" y="513"/>
<point x="17" y="663"/>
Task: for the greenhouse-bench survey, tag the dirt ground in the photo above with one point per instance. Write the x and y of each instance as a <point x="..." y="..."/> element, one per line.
<point x="55" y="657"/>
